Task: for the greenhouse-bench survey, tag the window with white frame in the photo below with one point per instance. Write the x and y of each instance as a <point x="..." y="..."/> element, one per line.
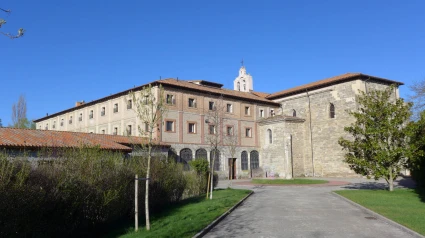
<point x="191" y="127"/>
<point x="229" y="108"/>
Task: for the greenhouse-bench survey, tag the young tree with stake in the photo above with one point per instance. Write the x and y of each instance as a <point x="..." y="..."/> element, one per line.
<point x="150" y="107"/>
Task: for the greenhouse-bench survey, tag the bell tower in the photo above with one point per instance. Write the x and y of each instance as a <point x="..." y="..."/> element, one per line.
<point x="243" y="82"/>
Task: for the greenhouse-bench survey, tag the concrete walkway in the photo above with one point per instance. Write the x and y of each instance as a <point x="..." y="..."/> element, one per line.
<point x="303" y="211"/>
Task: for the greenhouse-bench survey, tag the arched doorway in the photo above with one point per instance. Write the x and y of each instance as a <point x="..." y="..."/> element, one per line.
<point x="186" y="157"/>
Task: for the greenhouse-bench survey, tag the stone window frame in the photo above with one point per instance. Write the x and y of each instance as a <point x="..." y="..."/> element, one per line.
<point x="81" y="117"/>
<point x="229" y="108"/>
<point x="70" y="120"/>
<point x="211" y="105"/>
<point x="129" y="104"/>
<point x="129" y="129"/>
<point x="54" y="125"/>
<point x="270" y="136"/>
<point x="115" y="131"/>
<point x="294" y="113"/>
<point x="209" y="129"/>
<point x="91" y="114"/>
<point x="115" y="107"/>
<point x="332" y="113"/>
<point x="173" y="125"/>
<point x="195" y="127"/>
<point x="191" y="103"/>
<point x="103" y="111"/>
<point x="247" y="111"/>
<point x="248" y="132"/>
<point x="62" y="120"/>
<point x="261" y="113"/>
<point x="103" y="131"/>
<point x="170" y="99"/>
<point x="227" y="130"/>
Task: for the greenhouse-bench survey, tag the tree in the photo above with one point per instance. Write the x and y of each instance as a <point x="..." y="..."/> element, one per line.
<point x="150" y="106"/>
<point x="215" y="129"/>
<point x="417" y="143"/>
<point x="19" y="113"/>
<point x="230" y="144"/>
<point x="378" y="146"/>
<point x="21" y="31"/>
<point x="418" y="97"/>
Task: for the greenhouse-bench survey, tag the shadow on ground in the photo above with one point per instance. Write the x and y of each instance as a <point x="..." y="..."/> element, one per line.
<point x="402" y="182"/>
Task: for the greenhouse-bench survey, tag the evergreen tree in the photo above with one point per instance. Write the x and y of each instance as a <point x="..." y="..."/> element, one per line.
<point x="378" y="146"/>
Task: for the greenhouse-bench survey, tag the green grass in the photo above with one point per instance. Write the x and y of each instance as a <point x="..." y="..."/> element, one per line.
<point x="403" y="206"/>
<point x="288" y="181"/>
<point x="186" y="218"/>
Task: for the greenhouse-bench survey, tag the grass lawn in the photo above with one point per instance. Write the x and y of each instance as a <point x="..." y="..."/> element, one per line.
<point x="288" y="181"/>
<point x="403" y="206"/>
<point x="186" y="218"/>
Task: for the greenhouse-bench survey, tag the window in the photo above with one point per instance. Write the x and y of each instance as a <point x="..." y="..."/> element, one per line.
<point x="102" y="112"/>
<point x="91" y="114"/>
<point x="115" y="131"/>
<point x="239" y="86"/>
<point x="169" y="126"/>
<point x="129" y="130"/>
<point x="294" y="113"/>
<point x="192" y="128"/>
<point x="229" y="130"/>
<point x="47" y="126"/>
<point x="170" y="99"/>
<point x="229" y="108"/>
<point x="272" y="112"/>
<point x="247" y="110"/>
<point x="255" y="163"/>
<point x="248" y="132"/>
<point x="70" y="120"/>
<point x="145" y="100"/>
<point x="103" y="131"/>
<point x="211" y="129"/>
<point x="244" y="160"/>
<point x="129" y="104"/>
<point x="81" y="117"/>
<point x="54" y="125"/>
<point x="115" y="107"/>
<point x="244" y="87"/>
<point x="146" y="127"/>
<point x="61" y="122"/>
<point x="211" y="106"/>
<point x="331" y="111"/>
<point x="192" y="102"/>
<point x="269" y="133"/>
<point x="261" y="113"/>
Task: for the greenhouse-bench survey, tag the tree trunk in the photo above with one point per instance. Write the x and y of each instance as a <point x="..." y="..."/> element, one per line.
<point x="148" y="224"/>
<point x="212" y="175"/>
<point x="390" y="180"/>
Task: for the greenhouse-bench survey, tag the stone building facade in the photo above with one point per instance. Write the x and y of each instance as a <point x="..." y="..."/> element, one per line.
<point x="290" y="133"/>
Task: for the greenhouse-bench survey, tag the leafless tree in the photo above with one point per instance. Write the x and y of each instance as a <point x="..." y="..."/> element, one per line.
<point x="214" y="138"/>
<point x="231" y="142"/>
<point x="418" y="97"/>
<point x="19" y="113"/>
<point x="21" y="31"/>
<point x="150" y="107"/>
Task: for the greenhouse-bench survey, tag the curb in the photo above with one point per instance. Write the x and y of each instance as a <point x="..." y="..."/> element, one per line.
<point x="216" y="221"/>
<point x="391" y="222"/>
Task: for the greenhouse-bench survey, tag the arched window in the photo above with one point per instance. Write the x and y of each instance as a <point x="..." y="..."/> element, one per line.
<point x="239" y="86"/>
<point x="215" y="154"/>
<point x="172" y="155"/>
<point x="255" y="162"/>
<point x="294" y="113"/>
<point x="186" y="157"/>
<point x="331" y="111"/>
<point x="244" y="160"/>
<point x="269" y="133"/>
<point x="201" y="154"/>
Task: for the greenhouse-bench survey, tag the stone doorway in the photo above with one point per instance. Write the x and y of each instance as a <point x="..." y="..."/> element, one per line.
<point x="232" y="168"/>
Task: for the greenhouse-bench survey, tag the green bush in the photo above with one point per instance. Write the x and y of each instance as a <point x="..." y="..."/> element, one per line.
<point x="82" y="190"/>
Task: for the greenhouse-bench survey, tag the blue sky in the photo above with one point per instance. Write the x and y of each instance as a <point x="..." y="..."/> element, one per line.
<point x="84" y="50"/>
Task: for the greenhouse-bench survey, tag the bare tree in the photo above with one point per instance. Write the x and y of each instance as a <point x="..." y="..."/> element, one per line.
<point x="150" y="107"/>
<point x="21" y="31"/>
<point x="231" y="142"/>
<point x="19" y="113"/>
<point x="418" y="98"/>
<point x="214" y="136"/>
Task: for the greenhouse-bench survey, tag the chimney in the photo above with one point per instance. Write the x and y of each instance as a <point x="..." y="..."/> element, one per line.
<point x="77" y="104"/>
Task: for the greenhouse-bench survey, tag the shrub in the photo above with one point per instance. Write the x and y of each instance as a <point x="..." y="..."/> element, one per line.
<point x="81" y="190"/>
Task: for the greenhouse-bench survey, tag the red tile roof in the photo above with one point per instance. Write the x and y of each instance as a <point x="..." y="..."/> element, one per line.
<point x="12" y="137"/>
<point x="329" y="81"/>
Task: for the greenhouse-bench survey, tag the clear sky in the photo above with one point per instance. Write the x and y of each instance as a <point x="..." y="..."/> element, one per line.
<point x="84" y="50"/>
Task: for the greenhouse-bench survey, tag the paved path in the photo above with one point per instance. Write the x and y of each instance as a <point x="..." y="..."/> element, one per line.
<point x="302" y="211"/>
